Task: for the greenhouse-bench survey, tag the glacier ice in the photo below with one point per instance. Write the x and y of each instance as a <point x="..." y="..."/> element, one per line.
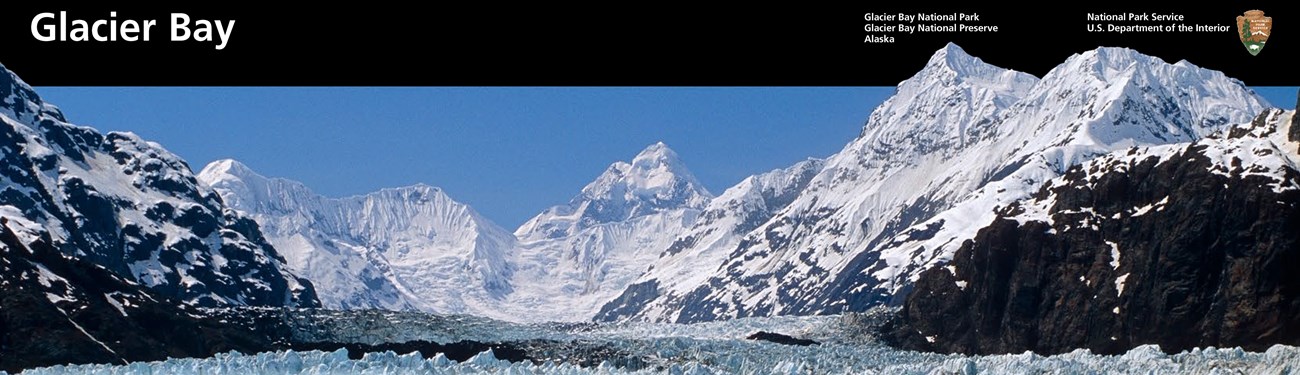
<point x="782" y="360"/>
<point x="704" y="348"/>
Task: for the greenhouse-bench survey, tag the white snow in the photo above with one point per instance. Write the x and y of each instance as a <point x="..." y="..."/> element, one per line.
<point x="1114" y="254"/>
<point x="1143" y="210"/>
<point x="117" y="167"/>
<point x="27" y="230"/>
<point x="117" y="305"/>
<point x="47" y="278"/>
<point x="655" y="181"/>
<point x="403" y="248"/>
<point x="56" y="298"/>
<point x="1119" y="283"/>
<point x="576" y="257"/>
<point x="92" y="337"/>
<point x="957" y="140"/>
<point x="416" y="248"/>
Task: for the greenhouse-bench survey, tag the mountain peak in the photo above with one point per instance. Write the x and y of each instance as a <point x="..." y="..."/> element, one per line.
<point x="658" y="156"/>
<point x="1110" y="62"/>
<point x="938" y="109"/>
<point x="1127" y="96"/>
<point x="1118" y="64"/>
<point x="950" y="53"/>
<point x="655" y="173"/>
<point x="657" y="146"/>
<point x="229" y="167"/>
<point x="955" y="59"/>
<point x="418" y="192"/>
<point x="19" y="101"/>
<point x="387" y="249"/>
<point x="655" y="181"/>
<point x="657" y="152"/>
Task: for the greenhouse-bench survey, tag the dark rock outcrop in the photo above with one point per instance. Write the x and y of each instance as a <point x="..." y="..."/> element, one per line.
<point x="584" y="354"/>
<point x="118" y="201"/>
<point x="633" y="300"/>
<point x="1184" y="246"/>
<point x="780" y="339"/>
<point x="56" y="309"/>
<point x="107" y="244"/>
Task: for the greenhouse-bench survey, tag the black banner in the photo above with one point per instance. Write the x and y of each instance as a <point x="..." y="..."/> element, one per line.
<point x="639" y="44"/>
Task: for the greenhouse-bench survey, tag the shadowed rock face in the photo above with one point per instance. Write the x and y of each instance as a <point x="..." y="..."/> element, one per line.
<point x="61" y="310"/>
<point x="129" y="205"/>
<point x="107" y="242"/>
<point x="1135" y="252"/>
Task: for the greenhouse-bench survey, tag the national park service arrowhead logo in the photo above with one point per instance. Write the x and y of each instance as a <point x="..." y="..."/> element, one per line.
<point x="1253" y="29"/>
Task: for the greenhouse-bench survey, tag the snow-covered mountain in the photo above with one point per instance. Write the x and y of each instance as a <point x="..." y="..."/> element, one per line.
<point x="656" y="181"/>
<point x="398" y="249"/>
<point x="956" y="140"/>
<point x="696" y="253"/>
<point x="1182" y="245"/>
<point x="573" y="258"/>
<point x="119" y="202"/>
<point x="415" y="248"/>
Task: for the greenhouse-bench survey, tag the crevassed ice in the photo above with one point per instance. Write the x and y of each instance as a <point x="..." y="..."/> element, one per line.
<point x="830" y="360"/>
<point x="715" y="348"/>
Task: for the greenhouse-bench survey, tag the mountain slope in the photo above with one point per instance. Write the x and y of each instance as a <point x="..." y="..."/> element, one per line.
<point x="415" y="248"/>
<point x="655" y="181"/>
<point x="405" y="248"/>
<point x="56" y="309"/>
<point x="1183" y="245"/>
<point x="957" y="139"/>
<point x="707" y="243"/>
<point x="1098" y="101"/>
<point x="574" y="258"/>
<point x="134" y="208"/>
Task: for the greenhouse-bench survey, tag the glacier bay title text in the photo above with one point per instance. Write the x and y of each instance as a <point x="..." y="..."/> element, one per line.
<point x="59" y="27"/>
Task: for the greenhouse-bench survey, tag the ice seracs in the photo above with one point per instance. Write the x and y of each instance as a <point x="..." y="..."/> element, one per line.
<point x="711" y="348"/>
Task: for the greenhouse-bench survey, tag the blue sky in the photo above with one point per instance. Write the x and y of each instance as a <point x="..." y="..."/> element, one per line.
<point x="508" y="152"/>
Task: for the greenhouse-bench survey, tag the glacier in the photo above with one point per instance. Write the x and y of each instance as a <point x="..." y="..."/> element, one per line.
<point x="709" y="348"/>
